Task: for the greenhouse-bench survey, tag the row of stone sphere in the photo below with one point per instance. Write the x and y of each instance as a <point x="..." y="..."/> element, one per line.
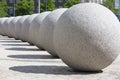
<point x="86" y="36"/>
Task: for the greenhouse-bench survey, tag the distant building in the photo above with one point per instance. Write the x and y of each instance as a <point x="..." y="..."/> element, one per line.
<point x="2" y="0"/>
<point x="95" y="1"/>
<point x="58" y="4"/>
<point x="117" y="4"/>
<point x="11" y="4"/>
<point x="36" y="5"/>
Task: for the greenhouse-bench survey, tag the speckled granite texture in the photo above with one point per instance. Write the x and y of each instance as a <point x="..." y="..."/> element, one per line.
<point x="47" y="29"/>
<point x="87" y="37"/>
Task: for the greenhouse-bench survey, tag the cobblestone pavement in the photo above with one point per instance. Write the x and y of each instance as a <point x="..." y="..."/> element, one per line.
<point x="20" y="61"/>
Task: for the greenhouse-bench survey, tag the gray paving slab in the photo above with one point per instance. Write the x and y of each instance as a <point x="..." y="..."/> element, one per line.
<point x="20" y="61"/>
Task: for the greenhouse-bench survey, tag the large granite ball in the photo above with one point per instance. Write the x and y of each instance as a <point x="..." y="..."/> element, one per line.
<point x="11" y="26"/>
<point x="0" y="26"/>
<point x="87" y="37"/>
<point x="35" y="27"/>
<point x="47" y="29"/>
<point x="18" y="26"/>
<point x="25" y="27"/>
<point x="2" y="20"/>
<point x="5" y="26"/>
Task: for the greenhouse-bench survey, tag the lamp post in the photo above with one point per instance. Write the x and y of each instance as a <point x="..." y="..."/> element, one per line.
<point x="11" y="4"/>
<point x="37" y="6"/>
<point x="14" y="3"/>
<point x="45" y="5"/>
<point x="117" y="4"/>
<point x="39" y="1"/>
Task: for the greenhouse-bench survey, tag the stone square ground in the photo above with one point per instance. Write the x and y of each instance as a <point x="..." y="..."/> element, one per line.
<point x="20" y="61"/>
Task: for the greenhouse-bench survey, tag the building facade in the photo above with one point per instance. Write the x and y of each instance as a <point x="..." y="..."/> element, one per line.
<point x="58" y="4"/>
<point x="117" y="4"/>
<point x="95" y="1"/>
<point x="11" y="4"/>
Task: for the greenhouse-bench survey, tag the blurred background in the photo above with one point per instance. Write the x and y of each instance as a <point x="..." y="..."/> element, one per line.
<point x="26" y="7"/>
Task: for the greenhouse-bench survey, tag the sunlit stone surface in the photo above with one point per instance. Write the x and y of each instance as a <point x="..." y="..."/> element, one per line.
<point x="35" y="27"/>
<point x="18" y="26"/>
<point x="25" y="27"/>
<point x="47" y="29"/>
<point x="11" y="26"/>
<point x="87" y="37"/>
<point x="2" y="20"/>
<point x="5" y="25"/>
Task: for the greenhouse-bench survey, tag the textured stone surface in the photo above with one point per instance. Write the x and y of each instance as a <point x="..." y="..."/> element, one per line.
<point x="11" y="26"/>
<point x="2" y="20"/>
<point x="87" y="37"/>
<point x="25" y="27"/>
<point x="5" y="25"/>
<point x="35" y="27"/>
<point x="47" y="29"/>
<point x="18" y="26"/>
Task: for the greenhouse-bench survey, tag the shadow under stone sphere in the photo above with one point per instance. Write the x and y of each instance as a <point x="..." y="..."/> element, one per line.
<point x="47" y="29"/>
<point x="87" y="37"/>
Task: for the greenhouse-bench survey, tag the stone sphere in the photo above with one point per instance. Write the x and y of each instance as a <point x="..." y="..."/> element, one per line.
<point x="18" y="26"/>
<point x="2" y="20"/>
<point x="25" y="27"/>
<point x="5" y="26"/>
<point x="0" y="26"/>
<point x="87" y="37"/>
<point x="34" y="28"/>
<point x="47" y="29"/>
<point x="11" y="26"/>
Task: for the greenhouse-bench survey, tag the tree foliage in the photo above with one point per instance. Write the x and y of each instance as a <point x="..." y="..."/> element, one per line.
<point x="25" y="7"/>
<point x="71" y="3"/>
<point x="111" y="5"/>
<point x="42" y="7"/>
<point x="50" y="5"/>
<point x="3" y="9"/>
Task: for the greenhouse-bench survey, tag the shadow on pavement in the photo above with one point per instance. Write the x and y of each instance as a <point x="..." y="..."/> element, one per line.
<point x="16" y="44"/>
<point x="7" y="39"/>
<point x="32" y="56"/>
<point x="56" y="70"/>
<point x="11" y="41"/>
<point x="23" y="49"/>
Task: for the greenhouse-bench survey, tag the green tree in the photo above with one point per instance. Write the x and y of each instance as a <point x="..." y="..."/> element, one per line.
<point x="71" y="3"/>
<point x="3" y="9"/>
<point x="25" y="7"/>
<point x="42" y="7"/>
<point x="111" y="5"/>
<point x="50" y="5"/>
